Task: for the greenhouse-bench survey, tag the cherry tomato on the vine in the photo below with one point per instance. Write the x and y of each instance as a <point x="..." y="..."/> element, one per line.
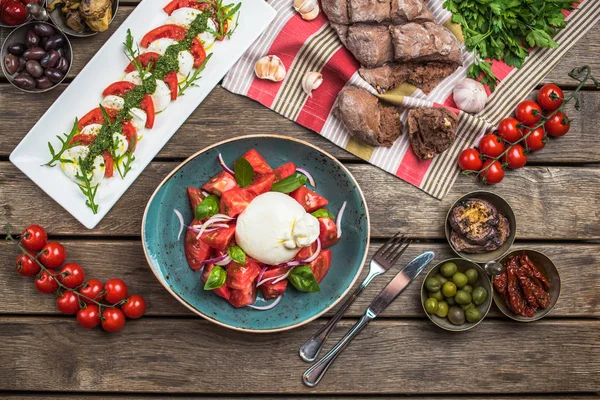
<point x="46" y="283"/>
<point x="550" y="97"/>
<point x="536" y="139"/>
<point x="529" y="112"/>
<point x="115" y="290"/>
<point x="509" y="131"/>
<point x="71" y="275"/>
<point x="68" y="303"/>
<point x="470" y="160"/>
<point x="53" y="255"/>
<point x="89" y="316"/>
<point x="92" y="289"/>
<point x="26" y="265"/>
<point x="135" y="306"/>
<point x="491" y="145"/>
<point x="494" y="174"/>
<point x="33" y="238"/>
<point x="515" y="157"/>
<point x="113" y="319"/>
<point x="558" y="124"/>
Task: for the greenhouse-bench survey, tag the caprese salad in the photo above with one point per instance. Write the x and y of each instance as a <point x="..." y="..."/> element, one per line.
<point x="171" y="60"/>
<point x="259" y="229"/>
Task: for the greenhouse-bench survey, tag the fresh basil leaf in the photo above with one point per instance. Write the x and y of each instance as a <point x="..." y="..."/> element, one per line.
<point x="303" y="279"/>
<point x="237" y="254"/>
<point x="208" y="207"/>
<point x="244" y="173"/>
<point x="289" y="184"/>
<point x="216" y="278"/>
<point x="322" y="213"/>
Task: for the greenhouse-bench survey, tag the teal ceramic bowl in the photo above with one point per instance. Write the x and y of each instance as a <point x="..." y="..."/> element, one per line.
<point x="165" y="253"/>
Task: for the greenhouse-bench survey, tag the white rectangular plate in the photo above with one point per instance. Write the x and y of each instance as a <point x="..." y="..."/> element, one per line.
<point x="84" y="94"/>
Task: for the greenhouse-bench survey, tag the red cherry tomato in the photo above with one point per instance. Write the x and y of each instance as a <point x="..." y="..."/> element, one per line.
<point x="536" y="139"/>
<point x="515" y="157"/>
<point x="113" y="319"/>
<point x="115" y="290"/>
<point x="558" y="125"/>
<point x="13" y="12"/>
<point x="491" y="145"/>
<point x="68" y="303"/>
<point x="135" y="306"/>
<point x="92" y="289"/>
<point x="46" y="283"/>
<point x="34" y="237"/>
<point x="529" y="112"/>
<point x="89" y="317"/>
<point x="550" y="97"/>
<point x="470" y="160"/>
<point x="494" y="174"/>
<point x="26" y="265"/>
<point x="509" y="131"/>
<point x="71" y="275"/>
<point x="53" y="255"/>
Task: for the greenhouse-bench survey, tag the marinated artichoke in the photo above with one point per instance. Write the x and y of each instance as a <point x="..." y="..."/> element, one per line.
<point x="96" y="14"/>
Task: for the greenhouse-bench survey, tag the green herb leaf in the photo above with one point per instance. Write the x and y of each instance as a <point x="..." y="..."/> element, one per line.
<point x="322" y="213"/>
<point x="244" y="173"/>
<point x="65" y="141"/>
<point x="216" y="278"/>
<point x="208" y="207"/>
<point x="237" y="254"/>
<point x="289" y="184"/>
<point x="303" y="279"/>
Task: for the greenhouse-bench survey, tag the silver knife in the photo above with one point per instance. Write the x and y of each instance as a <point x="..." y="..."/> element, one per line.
<point x="313" y="375"/>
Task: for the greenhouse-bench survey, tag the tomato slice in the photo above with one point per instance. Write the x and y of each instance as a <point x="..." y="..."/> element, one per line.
<point x="272" y="290"/>
<point x="235" y="201"/>
<point x="219" y="239"/>
<point x="223" y="291"/>
<point x="84" y="139"/>
<point x="177" y="4"/>
<point x="220" y="183"/>
<point x="96" y="117"/>
<point x="328" y="232"/>
<point x="240" y="276"/>
<point x="308" y="199"/>
<point x="196" y="250"/>
<point x="170" y="31"/>
<point x="109" y="164"/>
<point x="257" y="161"/>
<point x="262" y="184"/>
<point x="320" y="265"/>
<point x="144" y="59"/>
<point x="243" y="297"/>
<point x="119" y="88"/>
<point x="148" y="106"/>
<point x="195" y="196"/>
<point x="198" y="52"/>
<point x="307" y="251"/>
<point x="173" y="83"/>
<point x="284" y="171"/>
<point x="130" y="133"/>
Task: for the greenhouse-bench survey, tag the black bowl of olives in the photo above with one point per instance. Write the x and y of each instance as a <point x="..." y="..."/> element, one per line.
<point x="36" y="57"/>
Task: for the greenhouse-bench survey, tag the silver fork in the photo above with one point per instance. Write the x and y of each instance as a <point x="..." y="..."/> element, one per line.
<point x="382" y="261"/>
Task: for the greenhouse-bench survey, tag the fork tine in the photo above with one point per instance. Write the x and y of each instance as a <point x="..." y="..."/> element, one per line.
<point x="402" y="250"/>
<point x="393" y="243"/>
<point x="390" y="254"/>
<point x="386" y="245"/>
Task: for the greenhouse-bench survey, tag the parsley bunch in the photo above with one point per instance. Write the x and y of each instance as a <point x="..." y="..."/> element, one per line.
<point x="504" y="29"/>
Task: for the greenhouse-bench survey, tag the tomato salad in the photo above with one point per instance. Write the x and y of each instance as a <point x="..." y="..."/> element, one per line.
<point x="103" y="141"/>
<point x="259" y="229"/>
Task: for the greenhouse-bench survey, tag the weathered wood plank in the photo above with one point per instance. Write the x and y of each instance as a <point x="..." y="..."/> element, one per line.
<point x="161" y="397"/>
<point x="578" y="264"/>
<point x="549" y="202"/>
<point x="389" y="357"/>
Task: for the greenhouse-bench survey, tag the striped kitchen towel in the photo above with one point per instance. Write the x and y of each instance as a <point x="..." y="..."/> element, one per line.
<point x="314" y="46"/>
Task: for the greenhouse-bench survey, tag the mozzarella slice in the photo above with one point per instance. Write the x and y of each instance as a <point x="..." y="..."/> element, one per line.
<point x="114" y="102"/>
<point x="91" y="129"/>
<point x="133" y="77"/>
<point x="183" y="16"/>
<point x="72" y="167"/>
<point x="206" y="37"/>
<point x="160" y="46"/>
<point x="161" y="96"/>
<point x="186" y="64"/>
<point x="121" y="144"/>
<point x="138" y="118"/>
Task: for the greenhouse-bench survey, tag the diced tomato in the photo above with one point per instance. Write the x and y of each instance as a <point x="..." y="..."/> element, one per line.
<point x="241" y="276"/>
<point x="220" y="183"/>
<point x="235" y="201"/>
<point x="177" y="4"/>
<point x="243" y="297"/>
<point x="195" y="196"/>
<point x="219" y="239"/>
<point x="130" y="133"/>
<point x="262" y="184"/>
<point x="308" y="199"/>
<point x="84" y="139"/>
<point x="283" y="171"/>
<point x="196" y="250"/>
<point x="198" y="52"/>
<point x="257" y="161"/>
<point x="119" y="88"/>
<point x="109" y="164"/>
<point x="148" y="106"/>
<point x="223" y="291"/>
<point x="320" y="265"/>
<point x="144" y="59"/>
<point x="173" y="83"/>
<point x="306" y="252"/>
<point x="170" y="31"/>
<point x="327" y="232"/>
<point x="96" y="117"/>
<point x="272" y="290"/>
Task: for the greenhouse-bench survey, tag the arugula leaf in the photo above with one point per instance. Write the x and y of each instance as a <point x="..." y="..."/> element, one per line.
<point x="208" y="207"/>
<point x="303" y="279"/>
<point x="289" y="184"/>
<point x="237" y="254"/>
<point x="65" y="145"/>
<point x="216" y="278"/>
<point x="321" y="213"/>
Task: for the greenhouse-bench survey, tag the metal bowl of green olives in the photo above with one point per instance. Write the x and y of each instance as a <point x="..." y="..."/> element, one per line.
<point x="456" y="294"/>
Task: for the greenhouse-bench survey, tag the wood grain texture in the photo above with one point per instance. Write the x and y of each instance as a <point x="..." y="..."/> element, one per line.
<point x="388" y="357"/>
<point x="578" y="264"/>
<point x="300" y="397"/>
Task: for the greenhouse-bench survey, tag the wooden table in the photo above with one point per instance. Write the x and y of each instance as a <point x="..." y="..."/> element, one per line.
<point x="172" y="351"/>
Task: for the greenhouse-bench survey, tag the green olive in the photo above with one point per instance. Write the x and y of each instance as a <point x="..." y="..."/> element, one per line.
<point x="437" y="295"/>
<point x="472" y="275"/>
<point x="433" y="284"/>
<point x="442" y="310"/>
<point x="462" y="297"/>
<point x="468" y="288"/>
<point x="466" y="307"/>
<point x="479" y="295"/>
<point x="431" y="305"/>
<point x="450" y="301"/>
<point x="460" y="279"/>
<point x="449" y="289"/>
<point x="441" y="278"/>
<point x="456" y="315"/>
<point x="473" y="315"/>
<point x="448" y="269"/>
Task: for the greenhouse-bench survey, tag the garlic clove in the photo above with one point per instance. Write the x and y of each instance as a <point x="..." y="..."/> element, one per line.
<point x="470" y="96"/>
<point x="270" y="68"/>
<point x="308" y="9"/>
<point x="309" y="16"/>
<point x="311" y="81"/>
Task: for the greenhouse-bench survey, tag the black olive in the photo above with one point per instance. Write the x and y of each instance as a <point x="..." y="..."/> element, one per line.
<point x="44" y="83"/>
<point x="24" y="81"/>
<point x="34" y="53"/>
<point x="43" y="29"/>
<point x="54" y="75"/>
<point x="34" y="68"/>
<point x="43" y="40"/>
<point x="32" y="39"/>
<point x="22" y="63"/>
<point x="54" y="42"/>
<point x="50" y="60"/>
<point x="11" y="63"/>
<point x="61" y="51"/>
<point x="63" y="65"/>
<point x="17" y="49"/>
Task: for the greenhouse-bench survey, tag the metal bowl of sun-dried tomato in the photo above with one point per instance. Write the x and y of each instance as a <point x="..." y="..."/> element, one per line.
<point x="529" y="287"/>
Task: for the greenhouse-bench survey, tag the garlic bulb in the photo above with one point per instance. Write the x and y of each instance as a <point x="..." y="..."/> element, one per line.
<point x="311" y="81"/>
<point x="470" y="95"/>
<point x="271" y="68"/>
<point x="308" y="9"/>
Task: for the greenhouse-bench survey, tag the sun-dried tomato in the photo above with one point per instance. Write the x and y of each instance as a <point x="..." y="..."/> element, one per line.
<point x="527" y="287"/>
<point x="516" y="300"/>
<point x="534" y="271"/>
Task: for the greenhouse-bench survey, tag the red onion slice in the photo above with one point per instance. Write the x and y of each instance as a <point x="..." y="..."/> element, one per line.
<point x="262" y="272"/>
<point x="282" y="277"/>
<point x="225" y="260"/>
<point x="267" y="307"/>
<point x="181" y="223"/>
<point x="217" y="260"/>
<point x="314" y="256"/>
<point x="338" y="220"/>
<point x="224" y="166"/>
<point x="310" y="178"/>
